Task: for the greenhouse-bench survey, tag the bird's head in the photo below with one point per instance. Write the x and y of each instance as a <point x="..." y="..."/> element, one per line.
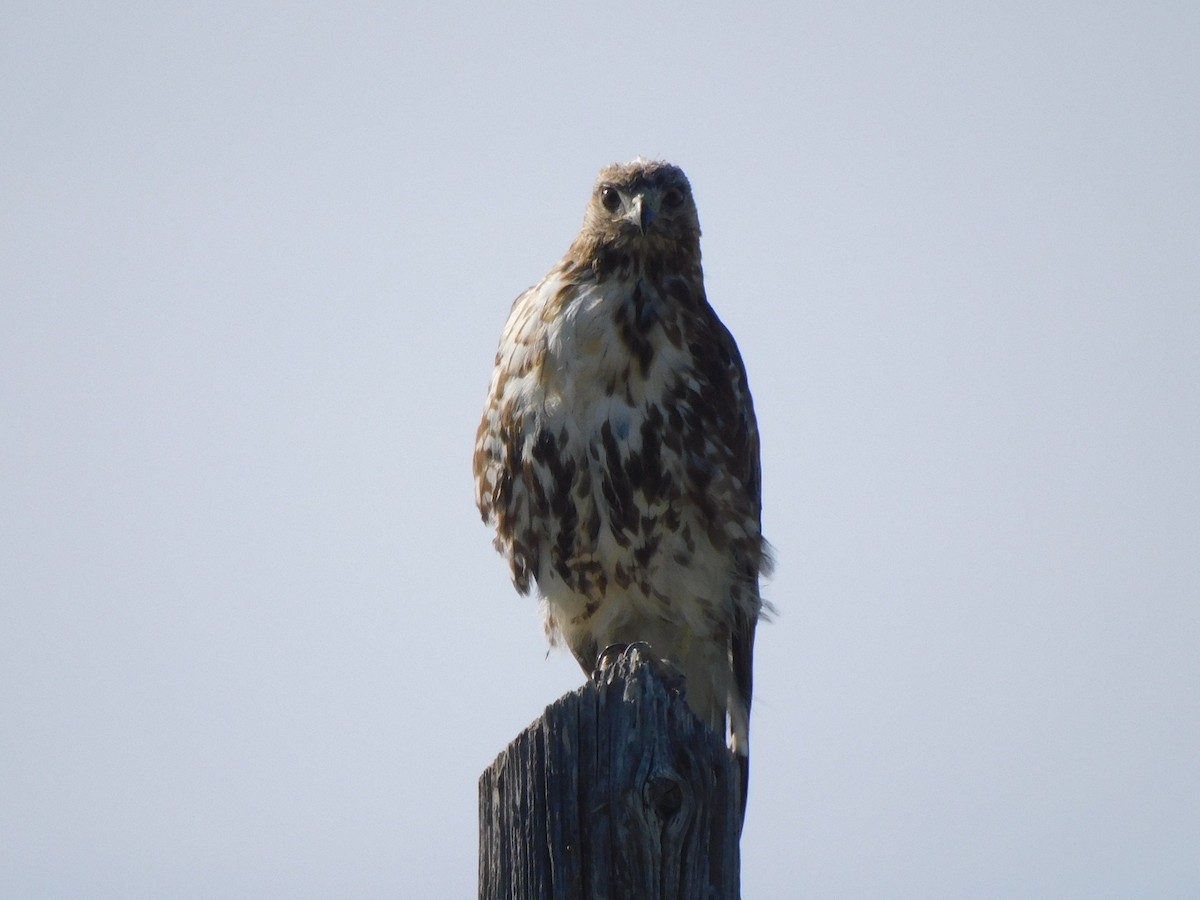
<point x="643" y="205"/>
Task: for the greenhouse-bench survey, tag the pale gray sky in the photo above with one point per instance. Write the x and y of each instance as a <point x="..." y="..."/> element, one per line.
<point x="254" y="641"/>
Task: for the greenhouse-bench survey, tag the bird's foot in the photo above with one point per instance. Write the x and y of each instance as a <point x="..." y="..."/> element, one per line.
<point x="613" y="654"/>
<point x="608" y="658"/>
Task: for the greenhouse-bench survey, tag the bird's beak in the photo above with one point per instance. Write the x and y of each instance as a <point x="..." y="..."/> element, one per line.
<point x="640" y="213"/>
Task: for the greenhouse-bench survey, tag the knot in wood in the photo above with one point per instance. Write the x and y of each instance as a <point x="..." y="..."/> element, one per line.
<point x="664" y="794"/>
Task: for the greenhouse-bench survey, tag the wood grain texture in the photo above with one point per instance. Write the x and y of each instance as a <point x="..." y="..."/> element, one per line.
<point x="617" y="791"/>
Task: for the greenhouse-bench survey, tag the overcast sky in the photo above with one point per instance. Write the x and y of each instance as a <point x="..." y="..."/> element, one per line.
<point x="254" y="262"/>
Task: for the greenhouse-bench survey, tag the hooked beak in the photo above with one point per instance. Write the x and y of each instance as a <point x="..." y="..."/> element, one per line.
<point x="640" y="213"/>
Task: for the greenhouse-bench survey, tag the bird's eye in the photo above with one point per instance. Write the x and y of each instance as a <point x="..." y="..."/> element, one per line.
<point x="611" y="198"/>
<point x="673" y="199"/>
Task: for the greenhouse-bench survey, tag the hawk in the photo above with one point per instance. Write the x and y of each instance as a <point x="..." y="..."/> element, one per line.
<point x="618" y="455"/>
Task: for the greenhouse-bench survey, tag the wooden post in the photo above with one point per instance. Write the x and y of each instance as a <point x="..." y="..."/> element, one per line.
<point x="616" y="792"/>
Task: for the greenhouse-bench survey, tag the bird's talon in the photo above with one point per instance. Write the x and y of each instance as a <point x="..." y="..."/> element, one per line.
<point x="607" y="659"/>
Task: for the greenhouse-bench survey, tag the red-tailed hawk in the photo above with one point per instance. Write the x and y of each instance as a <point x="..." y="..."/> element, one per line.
<point x="618" y="453"/>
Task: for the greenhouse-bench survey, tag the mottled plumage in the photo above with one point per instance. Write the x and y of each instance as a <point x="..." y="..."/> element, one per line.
<point x="618" y="454"/>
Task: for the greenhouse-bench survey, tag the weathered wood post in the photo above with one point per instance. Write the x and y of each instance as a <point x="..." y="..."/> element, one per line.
<point x="616" y="792"/>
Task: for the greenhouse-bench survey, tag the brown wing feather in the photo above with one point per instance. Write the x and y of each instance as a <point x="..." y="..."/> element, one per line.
<point x="729" y="418"/>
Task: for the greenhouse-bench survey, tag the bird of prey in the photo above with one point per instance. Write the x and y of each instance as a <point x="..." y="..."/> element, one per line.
<point x="618" y="455"/>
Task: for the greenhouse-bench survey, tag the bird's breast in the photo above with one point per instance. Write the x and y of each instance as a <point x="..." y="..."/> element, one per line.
<point x="608" y="347"/>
